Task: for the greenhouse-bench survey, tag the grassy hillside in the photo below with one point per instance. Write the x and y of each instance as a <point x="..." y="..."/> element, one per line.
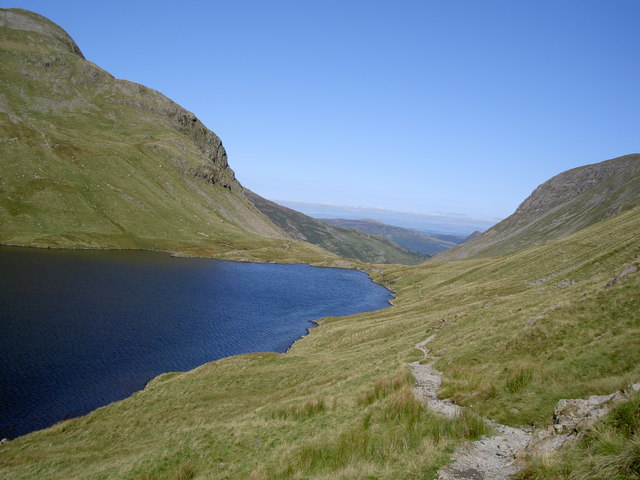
<point x="609" y="450"/>
<point x="562" y="205"/>
<point x="405" y="237"/>
<point x="346" y="242"/>
<point x="87" y="160"/>
<point x="513" y="335"/>
<point x="91" y="161"/>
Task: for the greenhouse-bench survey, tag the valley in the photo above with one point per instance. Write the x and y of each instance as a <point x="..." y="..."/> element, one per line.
<point x="541" y="307"/>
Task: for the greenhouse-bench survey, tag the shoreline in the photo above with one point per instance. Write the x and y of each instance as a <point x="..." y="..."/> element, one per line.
<point x="308" y="330"/>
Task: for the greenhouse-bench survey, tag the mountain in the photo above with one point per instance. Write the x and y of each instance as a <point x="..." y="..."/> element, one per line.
<point x="453" y="224"/>
<point x="88" y="160"/>
<point x="560" y="206"/>
<point x="471" y="236"/>
<point x="513" y="335"/>
<point x="407" y="238"/>
<point x="84" y="155"/>
<point x="346" y="242"/>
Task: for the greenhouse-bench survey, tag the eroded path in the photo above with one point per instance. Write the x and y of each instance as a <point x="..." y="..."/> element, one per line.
<point x="490" y="458"/>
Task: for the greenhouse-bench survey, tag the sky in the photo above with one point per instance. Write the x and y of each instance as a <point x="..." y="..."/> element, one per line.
<point x="433" y="107"/>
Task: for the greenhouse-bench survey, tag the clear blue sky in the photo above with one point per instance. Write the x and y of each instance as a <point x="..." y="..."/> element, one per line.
<point x="421" y="106"/>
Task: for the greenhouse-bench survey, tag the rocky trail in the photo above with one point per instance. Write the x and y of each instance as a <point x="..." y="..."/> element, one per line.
<point x="490" y="458"/>
<point x="501" y="455"/>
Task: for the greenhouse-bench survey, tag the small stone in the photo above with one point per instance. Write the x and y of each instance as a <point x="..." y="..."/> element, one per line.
<point x="514" y="410"/>
<point x="257" y="443"/>
<point x="503" y="447"/>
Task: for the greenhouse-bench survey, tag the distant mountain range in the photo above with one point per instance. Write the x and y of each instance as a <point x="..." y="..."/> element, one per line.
<point x="89" y="161"/>
<point x="343" y="240"/>
<point x="560" y="206"/>
<point x="405" y="237"/>
<point x="441" y="223"/>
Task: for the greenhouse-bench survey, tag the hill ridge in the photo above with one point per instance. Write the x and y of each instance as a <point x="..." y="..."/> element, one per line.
<point x="346" y="242"/>
<point x="20" y="19"/>
<point x="91" y="161"/>
<point x="564" y="204"/>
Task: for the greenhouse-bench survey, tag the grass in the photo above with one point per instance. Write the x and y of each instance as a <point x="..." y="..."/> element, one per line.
<point x="610" y="449"/>
<point x="519" y="380"/>
<point x="338" y="404"/>
<point x="89" y="161"/>
<point x="346" y="242"/>
<point x="513" y="334"/>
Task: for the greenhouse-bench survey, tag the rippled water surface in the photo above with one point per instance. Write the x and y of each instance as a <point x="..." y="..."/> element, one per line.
<point x="80" y="329"/>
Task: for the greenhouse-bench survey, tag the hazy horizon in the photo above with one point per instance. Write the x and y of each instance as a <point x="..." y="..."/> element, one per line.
<point x="439" y="222"/>
<point x="409" y="106"/>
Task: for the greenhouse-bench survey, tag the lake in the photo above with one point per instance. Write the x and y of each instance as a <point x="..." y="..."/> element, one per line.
<point x="82" y="328"/>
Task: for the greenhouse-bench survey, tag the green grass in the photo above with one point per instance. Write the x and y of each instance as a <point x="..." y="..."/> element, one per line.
<point x="513" y="334"/>
<point x="337" y="405"/>
<point x="563" y="205"/>
<point x="346" y="242"/>
<point x="89" y="161"/>
<point x="609" y="450"/>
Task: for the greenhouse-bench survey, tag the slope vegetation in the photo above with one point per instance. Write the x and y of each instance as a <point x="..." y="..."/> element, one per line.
<point x="512" y="336"/>
<point x="346" y="242"/>
<point x="562" y="205"/>
<point x="87" y="160"/>
<point x="405" y="237"/>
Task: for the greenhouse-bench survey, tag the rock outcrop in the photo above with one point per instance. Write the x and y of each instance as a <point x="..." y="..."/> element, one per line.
<point x="571" y="419"/>
<point x="89" y="160"/>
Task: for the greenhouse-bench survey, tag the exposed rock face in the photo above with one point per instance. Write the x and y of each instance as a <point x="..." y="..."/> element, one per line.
<point x="214" y="167"/>
<point x="633" y="268"/>
<point x="571" y="418"/>
<point x="562" y="205"/>
<point x="89" y="160"/>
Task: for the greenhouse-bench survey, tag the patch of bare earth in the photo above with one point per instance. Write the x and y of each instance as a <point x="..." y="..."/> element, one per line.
<point x="490" y="458"/>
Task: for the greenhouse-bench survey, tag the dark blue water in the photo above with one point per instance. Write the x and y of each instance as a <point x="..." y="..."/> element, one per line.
<point x="80" y="329"/>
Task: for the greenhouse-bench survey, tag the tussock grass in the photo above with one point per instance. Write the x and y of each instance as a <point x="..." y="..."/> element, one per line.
<point x="338" y="405"/>
<point x="384" y="386"/>
<point x="301" y="411"/>
<point x="519" y="381"/>
<point x="609" y="450"/>
<point x="394" y="427"/>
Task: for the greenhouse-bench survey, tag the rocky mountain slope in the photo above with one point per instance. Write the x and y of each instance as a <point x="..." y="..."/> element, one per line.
<point x="512" y="336"/>
<point x="87" y="160"/>
<point x="562" y="205"/>
<point x="405" y="237"/>
<point x="346" y="242"/>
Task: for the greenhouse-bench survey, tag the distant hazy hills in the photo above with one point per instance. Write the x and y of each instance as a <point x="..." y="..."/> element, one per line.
<point x="87" y="160"/>
<point x="407" y="238"/>
<point x="562" y="205"/>
<point x="433" y="224"/>
<point x="346" y="242"/>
